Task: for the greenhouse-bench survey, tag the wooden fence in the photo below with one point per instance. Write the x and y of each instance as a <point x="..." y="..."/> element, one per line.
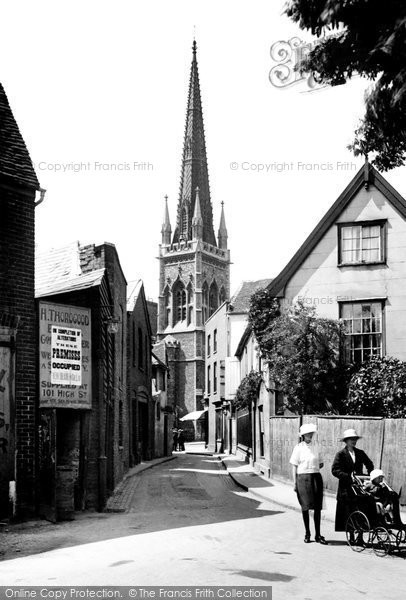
<point x="384" y="440"/>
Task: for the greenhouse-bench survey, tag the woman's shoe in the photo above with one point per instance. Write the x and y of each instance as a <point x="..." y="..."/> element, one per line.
<point x="321" y="540"/>
<point x="307" y="539"/>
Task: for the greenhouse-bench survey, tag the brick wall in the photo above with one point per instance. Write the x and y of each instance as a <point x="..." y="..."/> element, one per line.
<point x="118" y="289"/>
<point x="17" y="298"/>
<point x="139" y="376"/>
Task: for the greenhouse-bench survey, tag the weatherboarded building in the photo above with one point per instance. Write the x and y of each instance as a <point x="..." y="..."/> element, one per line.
<point x="83" y="420"/>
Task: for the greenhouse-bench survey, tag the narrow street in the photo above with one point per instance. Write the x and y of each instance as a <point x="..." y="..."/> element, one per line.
<point x="189" y="524"/>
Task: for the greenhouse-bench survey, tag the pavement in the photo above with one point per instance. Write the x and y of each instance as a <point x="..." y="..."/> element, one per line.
<point x="278" y="492"/>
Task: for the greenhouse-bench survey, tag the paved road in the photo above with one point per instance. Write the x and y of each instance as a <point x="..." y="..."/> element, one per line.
<point x="189" y="524"/>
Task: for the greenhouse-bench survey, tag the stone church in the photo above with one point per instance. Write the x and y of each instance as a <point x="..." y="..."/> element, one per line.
<point x="194" y="278"/>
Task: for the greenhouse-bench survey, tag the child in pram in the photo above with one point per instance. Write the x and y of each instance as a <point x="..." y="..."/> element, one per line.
<point x="386" y="500"/>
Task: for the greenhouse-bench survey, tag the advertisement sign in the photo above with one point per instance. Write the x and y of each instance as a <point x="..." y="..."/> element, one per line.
<point x="65" y="356"/>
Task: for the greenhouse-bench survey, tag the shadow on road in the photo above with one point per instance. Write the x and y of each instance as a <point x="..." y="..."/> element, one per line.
<point x="187" y="492"/>
<point x="264" y="575"/>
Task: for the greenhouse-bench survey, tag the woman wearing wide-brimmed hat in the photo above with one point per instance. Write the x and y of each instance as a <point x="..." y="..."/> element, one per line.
<point x="306" y="463"/>
<point x="347" y="461"/>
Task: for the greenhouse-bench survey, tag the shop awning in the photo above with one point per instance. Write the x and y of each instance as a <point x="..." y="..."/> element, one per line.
<point x="193" y="416"/>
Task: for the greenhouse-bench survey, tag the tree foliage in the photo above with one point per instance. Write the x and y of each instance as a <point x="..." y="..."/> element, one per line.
<point x="369" y="40"/>
<point x="304" y="355"/>
<point x="378" y="388"/>
<point x="264" y="308"/>
<point x="247" y="391"/>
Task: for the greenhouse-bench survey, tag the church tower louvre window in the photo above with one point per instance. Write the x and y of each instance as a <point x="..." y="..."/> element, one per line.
<point x="194" y="266"/>
<point x="180" y="302"/>
<point x="190" y="300"/>
<point x="184" y="225"/>
<point x="168" y="299"/>
<point x="205" y="302"/>
<point x="213" y="298"/>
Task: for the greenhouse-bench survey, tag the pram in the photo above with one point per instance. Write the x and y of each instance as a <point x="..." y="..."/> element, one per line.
<point x="366" y="527"/>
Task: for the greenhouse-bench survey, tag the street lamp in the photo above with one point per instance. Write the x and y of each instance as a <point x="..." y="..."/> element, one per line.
<point x="111" y="321"/>
<point x="112" y="324"/>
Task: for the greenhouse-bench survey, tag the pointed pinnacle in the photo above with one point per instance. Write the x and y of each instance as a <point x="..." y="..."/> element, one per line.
<point x="222" y="228"/>
<point x="166" y="224"/>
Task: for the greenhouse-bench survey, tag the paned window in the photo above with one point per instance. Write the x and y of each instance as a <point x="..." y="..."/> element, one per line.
<point x="361" y="244"/>
<point x="363" y="330"/>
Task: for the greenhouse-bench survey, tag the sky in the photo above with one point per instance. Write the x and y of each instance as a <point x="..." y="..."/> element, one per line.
<point x="99" y="90"/>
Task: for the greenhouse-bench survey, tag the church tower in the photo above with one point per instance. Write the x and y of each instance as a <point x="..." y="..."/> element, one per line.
<point x="194" y="267"/>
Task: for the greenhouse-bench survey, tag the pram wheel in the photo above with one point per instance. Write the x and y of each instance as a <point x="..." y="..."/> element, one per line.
<point x="400" y="537"/>
<point x="381" y="541"/>
<point x="357" y="531"/>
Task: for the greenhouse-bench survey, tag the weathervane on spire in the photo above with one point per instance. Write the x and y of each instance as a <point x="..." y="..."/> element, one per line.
<point x="194" y="40"/>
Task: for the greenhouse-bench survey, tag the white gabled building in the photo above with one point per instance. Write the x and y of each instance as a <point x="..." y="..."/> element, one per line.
<point x="353" y="266"/>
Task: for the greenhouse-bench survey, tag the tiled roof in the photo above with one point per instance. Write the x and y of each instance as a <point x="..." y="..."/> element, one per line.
<point x="157" y="362"/>
<point x="133" y="297"/>
<point x="14" y="157"/>
<point x="159" y="351"/>
<point x="240" y="301"/>
<point x="58" y="271"/>
<point x="81" y="282"/>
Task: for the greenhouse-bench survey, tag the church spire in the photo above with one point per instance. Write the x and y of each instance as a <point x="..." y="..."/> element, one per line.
<point x="166" y="225"/>
<point x="197" y="222"/>
<point x="194" y="171"/>
<point x="222" y="233"/>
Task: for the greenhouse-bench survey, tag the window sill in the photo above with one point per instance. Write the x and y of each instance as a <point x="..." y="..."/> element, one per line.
<point x="362" y="264"/>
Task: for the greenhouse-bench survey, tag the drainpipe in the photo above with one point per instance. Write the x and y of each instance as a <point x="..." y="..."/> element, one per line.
<point x="41" y="199"/>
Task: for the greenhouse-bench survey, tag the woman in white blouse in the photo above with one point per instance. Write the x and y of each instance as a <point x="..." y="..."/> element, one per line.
<point x="306" y="463"/>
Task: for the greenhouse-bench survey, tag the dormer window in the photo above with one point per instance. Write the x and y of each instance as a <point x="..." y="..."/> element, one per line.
<point x="361" y="243"/>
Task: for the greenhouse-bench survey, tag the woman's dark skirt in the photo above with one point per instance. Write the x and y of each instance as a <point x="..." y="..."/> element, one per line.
<point x="309" y="489"/>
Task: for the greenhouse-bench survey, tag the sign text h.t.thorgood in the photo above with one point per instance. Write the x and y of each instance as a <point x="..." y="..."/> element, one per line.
<point x="65" y="356"/>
